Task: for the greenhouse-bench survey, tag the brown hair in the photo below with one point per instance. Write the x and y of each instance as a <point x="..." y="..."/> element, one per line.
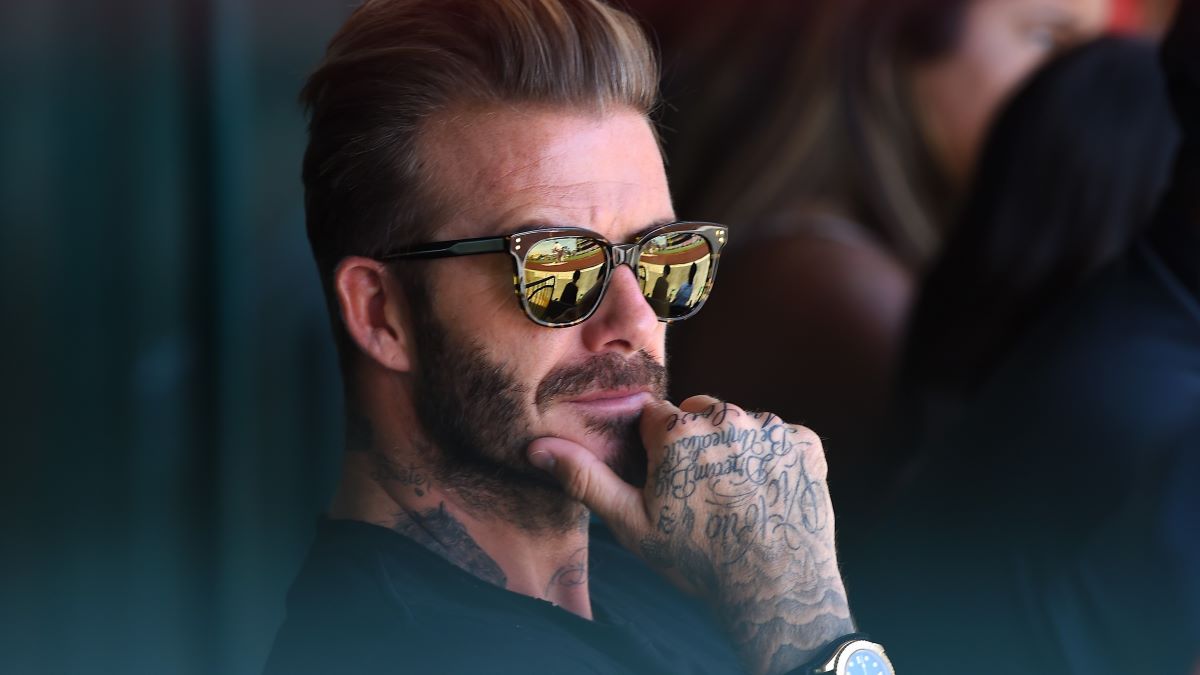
<point x="397" y="63"/>
<point x="781" y="103"/>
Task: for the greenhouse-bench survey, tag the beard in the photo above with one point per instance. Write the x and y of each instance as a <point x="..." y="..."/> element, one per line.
<point x="478" y="426"/>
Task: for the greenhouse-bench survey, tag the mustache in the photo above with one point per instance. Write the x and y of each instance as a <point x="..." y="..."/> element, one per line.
<point x="607" y="371"/>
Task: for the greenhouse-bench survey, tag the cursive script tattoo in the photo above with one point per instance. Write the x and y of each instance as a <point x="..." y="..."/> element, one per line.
<point x="573" y="573"/>
<point x="384" y="468"/>
<point x="442" y="533"/>
<point x="762" y="546"/>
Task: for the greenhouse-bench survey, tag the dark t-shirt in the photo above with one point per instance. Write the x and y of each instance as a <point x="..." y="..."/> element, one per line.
<point x="369" y="600"/>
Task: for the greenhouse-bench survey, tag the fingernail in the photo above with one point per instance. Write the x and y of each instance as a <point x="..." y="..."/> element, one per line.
<point x="542" y="460"/>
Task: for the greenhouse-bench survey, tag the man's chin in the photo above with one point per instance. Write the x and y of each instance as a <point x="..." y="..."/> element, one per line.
<point x="617" y="442"/>
<point x="529" y="498"/>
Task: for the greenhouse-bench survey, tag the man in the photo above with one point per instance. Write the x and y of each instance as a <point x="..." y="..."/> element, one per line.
<point x="455" y="146"/>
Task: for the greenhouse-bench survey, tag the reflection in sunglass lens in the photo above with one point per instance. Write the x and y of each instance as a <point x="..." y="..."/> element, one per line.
<point x="673" y="271"/>
<point x="564" y="277"/>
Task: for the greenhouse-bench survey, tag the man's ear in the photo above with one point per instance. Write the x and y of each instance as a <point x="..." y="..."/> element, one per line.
<point x="374" y="311"/>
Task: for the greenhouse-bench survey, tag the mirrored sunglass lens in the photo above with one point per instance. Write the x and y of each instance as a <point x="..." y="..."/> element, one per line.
<point x="563" y="278"/>
<point x="673" y="271"/>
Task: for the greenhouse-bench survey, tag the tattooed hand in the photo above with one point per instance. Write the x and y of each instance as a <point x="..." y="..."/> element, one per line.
<point x="735" y="509"/>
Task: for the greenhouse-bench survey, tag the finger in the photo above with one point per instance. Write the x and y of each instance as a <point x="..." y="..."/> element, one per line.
<point x="698" y="403"/>
<point x="588" y="479"/>
<point x="705" y="405"/>
<point x="658" y="418"/>
<point x="764" y="418"/>
<point x="816" y="463"/>
<point x="710" y="408"/>
<point x="659" y="414"/>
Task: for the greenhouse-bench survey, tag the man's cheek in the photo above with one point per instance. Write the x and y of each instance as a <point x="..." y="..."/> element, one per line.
<point x="658" y="351"/>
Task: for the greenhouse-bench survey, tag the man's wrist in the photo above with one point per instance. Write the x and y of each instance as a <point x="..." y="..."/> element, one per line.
<point x="776" y="634"/>
<point x="835" y="657"/>
<point x="817" y="663"/>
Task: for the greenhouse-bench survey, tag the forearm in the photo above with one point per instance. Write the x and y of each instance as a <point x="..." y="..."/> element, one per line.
<point x="775" y="633"/>
<point x="778" y="617"/>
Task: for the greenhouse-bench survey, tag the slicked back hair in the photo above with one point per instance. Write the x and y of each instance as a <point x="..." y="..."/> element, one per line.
<point x="396" y="64"/>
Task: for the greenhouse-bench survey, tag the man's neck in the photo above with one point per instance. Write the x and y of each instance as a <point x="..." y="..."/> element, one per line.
<point x="404" y="496"/>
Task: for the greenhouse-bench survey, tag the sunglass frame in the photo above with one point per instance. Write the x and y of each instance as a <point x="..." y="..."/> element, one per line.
<point x="518" y="244"/>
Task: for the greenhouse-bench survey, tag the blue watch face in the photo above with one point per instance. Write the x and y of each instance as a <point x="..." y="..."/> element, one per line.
<point x="866" y="662"/>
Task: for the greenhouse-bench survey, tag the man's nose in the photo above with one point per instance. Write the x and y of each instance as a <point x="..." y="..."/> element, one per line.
<point x="624" y="321"/>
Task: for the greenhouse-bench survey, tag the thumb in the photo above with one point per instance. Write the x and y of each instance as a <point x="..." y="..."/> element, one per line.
<point x="588" y="479"/>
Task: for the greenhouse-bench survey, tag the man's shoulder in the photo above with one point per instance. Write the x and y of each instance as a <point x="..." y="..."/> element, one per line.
<point x="357" y="569"/>
<point x="370" y="600"/>
<point x="367" y="597"/>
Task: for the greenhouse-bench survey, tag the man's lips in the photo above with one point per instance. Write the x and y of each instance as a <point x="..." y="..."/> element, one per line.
<point x="612" y="401"/>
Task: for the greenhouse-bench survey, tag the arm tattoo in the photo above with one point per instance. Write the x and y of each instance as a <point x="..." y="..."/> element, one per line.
<point x="442" y="533"/>
<point x="764" y="552"/>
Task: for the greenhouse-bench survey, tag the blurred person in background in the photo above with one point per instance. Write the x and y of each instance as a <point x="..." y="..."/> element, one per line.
<point x="1147" y="18"/>
<point x="1070" y="175"/>
<point x="1056" y="517"/>
<point x="836" y="136"/>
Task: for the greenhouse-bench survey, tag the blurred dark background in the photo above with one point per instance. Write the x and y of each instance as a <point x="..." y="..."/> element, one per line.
<point x="171" y="414"/>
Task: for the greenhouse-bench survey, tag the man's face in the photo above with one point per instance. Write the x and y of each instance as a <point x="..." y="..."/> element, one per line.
<point x="489" y="380"/>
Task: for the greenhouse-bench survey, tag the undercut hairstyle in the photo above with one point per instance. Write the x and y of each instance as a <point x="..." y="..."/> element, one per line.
<point x="397" y="64"/>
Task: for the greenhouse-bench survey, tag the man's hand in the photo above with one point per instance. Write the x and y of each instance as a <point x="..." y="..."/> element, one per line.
<point x="735" y="509"/>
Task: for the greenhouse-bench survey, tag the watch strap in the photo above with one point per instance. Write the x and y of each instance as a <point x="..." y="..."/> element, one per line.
<point x="819" y="662"/>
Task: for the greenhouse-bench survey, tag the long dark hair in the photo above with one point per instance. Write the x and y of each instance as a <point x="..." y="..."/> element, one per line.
<point x="778" y="103"/>
<point x="1069" y="175"/>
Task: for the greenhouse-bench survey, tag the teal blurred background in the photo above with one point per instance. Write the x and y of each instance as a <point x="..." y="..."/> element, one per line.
<point x="171" y="414"/>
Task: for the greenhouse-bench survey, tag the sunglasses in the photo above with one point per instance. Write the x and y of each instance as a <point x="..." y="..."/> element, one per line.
<point x="562" y="273"/>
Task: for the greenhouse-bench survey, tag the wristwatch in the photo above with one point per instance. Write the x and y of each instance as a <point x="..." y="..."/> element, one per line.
<point x="853" y="654"/>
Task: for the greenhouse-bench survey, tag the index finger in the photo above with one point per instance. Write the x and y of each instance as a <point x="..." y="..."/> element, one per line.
<point x="710" y="408"/>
